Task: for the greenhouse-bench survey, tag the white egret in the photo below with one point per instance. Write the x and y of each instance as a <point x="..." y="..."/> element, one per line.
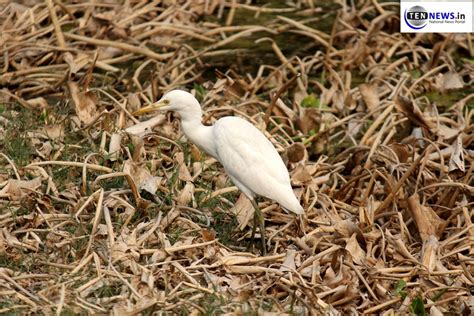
<point x="248" y="157"/>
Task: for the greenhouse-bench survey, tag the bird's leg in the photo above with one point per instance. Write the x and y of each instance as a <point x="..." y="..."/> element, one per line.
<point x="254" y="228"/>
<point x="259" y="217"/>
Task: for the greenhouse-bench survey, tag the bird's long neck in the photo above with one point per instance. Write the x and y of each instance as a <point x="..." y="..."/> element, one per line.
<point x="198" y="133"/>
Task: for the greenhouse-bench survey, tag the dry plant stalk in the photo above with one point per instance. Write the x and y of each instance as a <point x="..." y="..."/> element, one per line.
<point x="100" y="213"/>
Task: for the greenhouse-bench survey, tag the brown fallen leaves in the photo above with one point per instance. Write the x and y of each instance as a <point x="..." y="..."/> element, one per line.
<point x="85" y="103"/>
<point x="15" y="190"/>
<point x="101" y="213"/>
<point x="412" y="112"/>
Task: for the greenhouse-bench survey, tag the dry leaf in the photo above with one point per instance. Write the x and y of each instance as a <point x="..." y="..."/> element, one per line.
<point x="296" y="152"/>
<point x="138" y="148"/>
<point x="429" y="253"/>
<point x="244" y="210"/>
<point x="142" y="177"/>
<point x="426" y="220"/>
<point x="133" y="102"/>
<point x="452" y="80"/>
<point x="434" y="311"/>
<point x="39" y="103"/>
<point x="196" y="154"/>
<point x="54" y="132"/>
<point x="45" y="150"/>
<point x="412" y="112"/>
<point x="401" y="150"/>
<point x="5" y="94"/>
<point x="187" y="194"/>
<point x="300" y="175"/>
<point x="309" y="120"/>
<point x="370" y="95"/>
<point x="456" y="162"/>
<point x="17" y="189"/>
<point x="84" y="102"/>
<point x="116" y="242"/>
<point x="346" y="228"/>
<point x="221" y="181"/>
<point x="321" y="180"/>
<point x="357" y="253"/>
<point x="125" y="248"/>
<point x="183" y="172"/>
<point x="231" y="260"/>
<point x="289" y="262"/>
<point x="76" y="64"/>
<point x="208" y="235"/>
<point x="354" y="127"/>
<point x="115" y="146"/>
<point x="144" y="128"/>
<point x="446" y="132"/>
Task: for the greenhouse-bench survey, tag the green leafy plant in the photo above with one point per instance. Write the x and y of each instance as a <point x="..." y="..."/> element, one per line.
<point x="310" y="101"/>
<point x="399" y="289"/>
<point x="417" y="307"/>
<point x="200" y="91"/>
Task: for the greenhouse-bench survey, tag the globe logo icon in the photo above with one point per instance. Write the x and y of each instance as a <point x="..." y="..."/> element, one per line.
<point x="416" y="17"/>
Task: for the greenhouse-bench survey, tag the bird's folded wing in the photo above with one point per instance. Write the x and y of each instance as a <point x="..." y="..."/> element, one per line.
<point x="248" y="156"/>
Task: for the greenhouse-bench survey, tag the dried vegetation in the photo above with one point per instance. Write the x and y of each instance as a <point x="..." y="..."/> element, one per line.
<point x="101" y="213"/>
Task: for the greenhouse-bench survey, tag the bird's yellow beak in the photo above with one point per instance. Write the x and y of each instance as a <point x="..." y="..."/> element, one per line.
<point x="151" y="108"/>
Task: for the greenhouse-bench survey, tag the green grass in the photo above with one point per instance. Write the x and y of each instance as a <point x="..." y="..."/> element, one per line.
<point x="108" y="290"/>
<point x="16" y="144"/>
<point x="444" y="101"/>
<point x="113" y="183"/>
<point x="175" y="233"/>
<point x="9" y="261"/>
<point x="225" y="225"/>
<point x="211" y="304"/>
<point x="7" y="303"/>
<point x="17" y="148"/>
<point x="25" y="262"/>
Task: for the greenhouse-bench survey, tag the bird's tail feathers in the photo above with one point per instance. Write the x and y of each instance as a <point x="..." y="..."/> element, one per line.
<point x="293" y="205"/>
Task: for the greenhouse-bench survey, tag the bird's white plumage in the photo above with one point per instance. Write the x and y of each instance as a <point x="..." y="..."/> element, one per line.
<point x="249" y="158"/>
<point x="252" y="162"/>
<point x="248" y="142"/>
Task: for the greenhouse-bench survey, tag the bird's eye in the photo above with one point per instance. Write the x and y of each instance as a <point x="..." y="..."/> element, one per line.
<point x="166" y="102"/>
